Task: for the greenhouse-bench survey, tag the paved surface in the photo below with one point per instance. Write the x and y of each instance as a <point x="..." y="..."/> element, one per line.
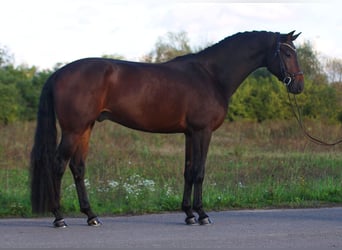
<point x="297" y="228"/>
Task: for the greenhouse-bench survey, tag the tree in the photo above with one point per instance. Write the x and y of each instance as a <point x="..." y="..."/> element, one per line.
<point x="173" y="45"/>
<point x="5" y="57"/>
<point x="30" y="90"/>
<point x="20" y="89"/>
<point x="310" y="64"/>
<point x="259" y="99"/>
<point x="9" y="107"/>
<point x="113" y="56"/>
<point x="334" y="69"/>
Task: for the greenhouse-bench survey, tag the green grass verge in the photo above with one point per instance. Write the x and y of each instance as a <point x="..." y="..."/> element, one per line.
<point x="128" y="172"/>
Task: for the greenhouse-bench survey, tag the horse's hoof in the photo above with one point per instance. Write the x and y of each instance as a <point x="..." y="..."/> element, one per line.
<point x="204" y="221"/>
<point x="59" y="223"/>
<point x="95" y="222"/>
<point x="191" y="220"/>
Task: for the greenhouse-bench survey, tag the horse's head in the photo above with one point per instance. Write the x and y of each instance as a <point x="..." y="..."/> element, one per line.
<point x="283" y="63"/>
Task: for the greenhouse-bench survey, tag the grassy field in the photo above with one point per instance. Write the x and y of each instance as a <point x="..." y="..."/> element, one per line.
<point x="250" y="165"/>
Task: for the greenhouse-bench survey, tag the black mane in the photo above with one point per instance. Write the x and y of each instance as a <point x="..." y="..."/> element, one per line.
<point x="238" y="37"/>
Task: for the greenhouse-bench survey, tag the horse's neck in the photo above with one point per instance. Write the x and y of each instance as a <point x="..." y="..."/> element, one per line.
<point x="231" y="64"/>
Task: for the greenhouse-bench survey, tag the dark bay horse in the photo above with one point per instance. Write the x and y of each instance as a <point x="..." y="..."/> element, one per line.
<point x="189" y="94"/>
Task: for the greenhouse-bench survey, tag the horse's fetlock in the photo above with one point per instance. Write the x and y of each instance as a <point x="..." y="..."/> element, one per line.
<point x="186" y="208"/>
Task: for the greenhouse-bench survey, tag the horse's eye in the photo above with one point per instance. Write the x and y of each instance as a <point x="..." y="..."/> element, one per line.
<point x="287" y="53"/>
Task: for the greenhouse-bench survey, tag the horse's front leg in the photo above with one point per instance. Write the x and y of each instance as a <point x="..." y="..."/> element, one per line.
<point x="200" y="151"/>
<point x="197" y="144"/>
<point x="188" y="182"/>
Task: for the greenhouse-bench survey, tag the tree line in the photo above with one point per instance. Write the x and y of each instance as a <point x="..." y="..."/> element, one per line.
<point x="261" y="96"/>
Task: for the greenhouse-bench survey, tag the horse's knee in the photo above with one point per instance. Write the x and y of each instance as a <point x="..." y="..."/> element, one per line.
<point x="198" y="179"/>
<point x="188" y="176"/>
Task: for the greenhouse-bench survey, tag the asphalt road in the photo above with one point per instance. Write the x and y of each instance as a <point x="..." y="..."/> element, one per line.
<point x="285" y="228"/>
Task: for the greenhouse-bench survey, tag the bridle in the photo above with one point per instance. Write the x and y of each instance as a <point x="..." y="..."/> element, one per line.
<point x="287" y="77"/>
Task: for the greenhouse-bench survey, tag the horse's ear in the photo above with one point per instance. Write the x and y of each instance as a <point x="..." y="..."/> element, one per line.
<point x="291" y="36"/>
<point x="295" y="36"/>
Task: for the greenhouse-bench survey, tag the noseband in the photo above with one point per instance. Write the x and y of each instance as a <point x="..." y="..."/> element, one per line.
<point x="288" y="78"/>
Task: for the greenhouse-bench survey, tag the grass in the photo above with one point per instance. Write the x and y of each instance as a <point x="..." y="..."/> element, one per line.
<point x="250" y="165"/>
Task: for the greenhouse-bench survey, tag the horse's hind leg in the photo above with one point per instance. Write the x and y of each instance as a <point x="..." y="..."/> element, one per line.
<point x="65" y="149"/>
<point x="77" y="166"/>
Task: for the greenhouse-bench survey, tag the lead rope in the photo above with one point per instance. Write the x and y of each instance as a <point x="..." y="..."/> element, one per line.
<point x="298" y="117"/>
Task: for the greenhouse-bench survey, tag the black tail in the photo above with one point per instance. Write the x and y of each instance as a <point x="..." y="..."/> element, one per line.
<point x="43" y="191"/>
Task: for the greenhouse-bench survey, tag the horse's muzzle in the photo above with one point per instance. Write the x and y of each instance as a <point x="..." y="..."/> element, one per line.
<point x="297" y="85"/>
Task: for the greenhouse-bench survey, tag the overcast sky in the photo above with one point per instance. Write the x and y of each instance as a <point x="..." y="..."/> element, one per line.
<point x="45" y="32"/>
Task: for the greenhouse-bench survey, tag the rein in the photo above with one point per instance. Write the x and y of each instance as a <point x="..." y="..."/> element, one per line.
<point x="297" y="115"/>
<point x="288" y="79"/>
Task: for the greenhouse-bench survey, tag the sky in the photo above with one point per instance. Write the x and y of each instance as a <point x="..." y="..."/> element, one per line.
<point x="45" y="32"/>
